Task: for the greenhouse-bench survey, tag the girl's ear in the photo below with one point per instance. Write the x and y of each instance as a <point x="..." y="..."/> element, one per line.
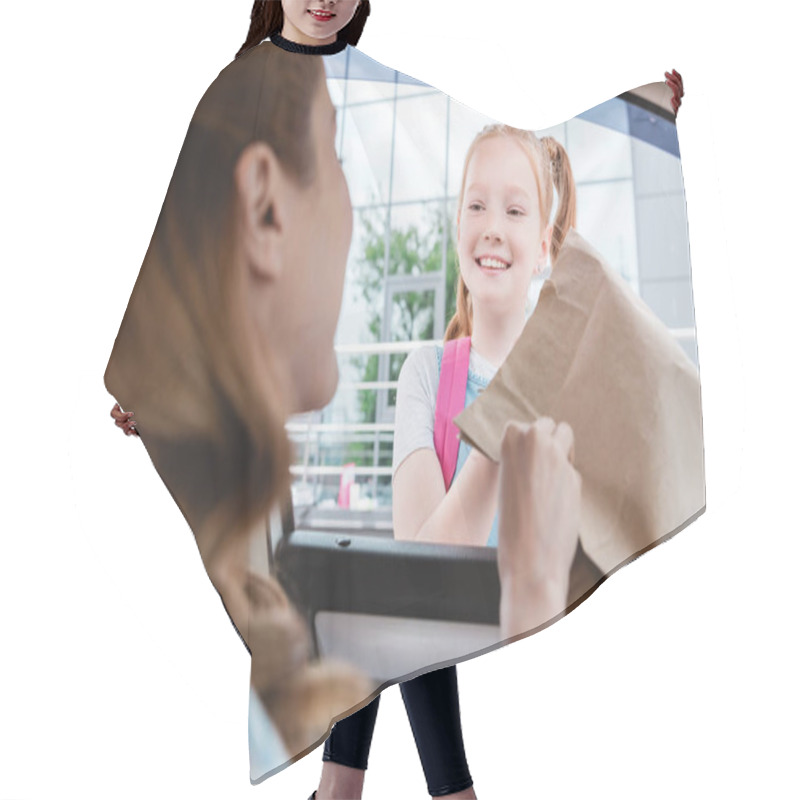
<point x="259" y="184"/>
<point x="544" y="248"/>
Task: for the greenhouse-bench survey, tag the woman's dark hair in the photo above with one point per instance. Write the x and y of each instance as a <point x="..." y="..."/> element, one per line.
<point x="266" y="19"/>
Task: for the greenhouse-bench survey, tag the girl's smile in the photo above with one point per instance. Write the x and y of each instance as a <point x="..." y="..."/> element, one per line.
<point x="492" y="264"/>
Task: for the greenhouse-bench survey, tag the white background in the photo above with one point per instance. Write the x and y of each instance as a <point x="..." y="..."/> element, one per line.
<point x="120" y="675"/>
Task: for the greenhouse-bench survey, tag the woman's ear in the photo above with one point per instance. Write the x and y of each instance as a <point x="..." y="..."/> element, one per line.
<point x="259" y="186"/>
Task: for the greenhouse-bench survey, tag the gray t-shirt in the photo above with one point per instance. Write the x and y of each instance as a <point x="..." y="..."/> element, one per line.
<point x="415" y="407"/>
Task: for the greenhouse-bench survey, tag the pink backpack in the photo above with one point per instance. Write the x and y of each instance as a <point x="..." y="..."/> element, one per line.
<point x="449" y="403"/>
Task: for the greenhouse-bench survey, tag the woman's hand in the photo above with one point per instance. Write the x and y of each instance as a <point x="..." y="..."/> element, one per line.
<point x="540" y="493"/>
<point x="675" y="82"/>
<point x="124" y="420"/>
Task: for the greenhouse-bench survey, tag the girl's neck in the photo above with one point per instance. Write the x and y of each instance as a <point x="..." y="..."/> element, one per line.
<point x="494" y="335"/>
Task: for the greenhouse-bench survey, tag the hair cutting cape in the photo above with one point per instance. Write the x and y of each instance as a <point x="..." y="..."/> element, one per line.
<point x="293" y="517"/>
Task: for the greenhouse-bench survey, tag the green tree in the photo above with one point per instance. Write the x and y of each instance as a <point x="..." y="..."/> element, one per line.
<point x="414" y="250"/>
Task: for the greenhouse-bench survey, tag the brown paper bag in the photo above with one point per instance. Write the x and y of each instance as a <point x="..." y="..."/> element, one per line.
<point x="594" y="355"/>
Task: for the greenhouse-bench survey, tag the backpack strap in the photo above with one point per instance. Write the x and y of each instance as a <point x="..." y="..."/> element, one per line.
<point x="450" y="400"/>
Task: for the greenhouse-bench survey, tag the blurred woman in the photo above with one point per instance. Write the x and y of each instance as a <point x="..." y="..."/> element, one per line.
<point x="229" y="330"/>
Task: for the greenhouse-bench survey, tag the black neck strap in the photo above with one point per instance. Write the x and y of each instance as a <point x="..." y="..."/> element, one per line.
<point x="311" y="50"/>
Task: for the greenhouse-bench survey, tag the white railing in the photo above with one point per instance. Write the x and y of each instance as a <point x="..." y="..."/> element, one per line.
<point x="382" y="347"/>
<point x="342" y="427"/>
<point x="308" y="429"/>
<point x="303" y="471"/>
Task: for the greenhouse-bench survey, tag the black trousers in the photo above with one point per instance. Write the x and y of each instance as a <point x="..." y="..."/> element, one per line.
<point x="432" y="705"/>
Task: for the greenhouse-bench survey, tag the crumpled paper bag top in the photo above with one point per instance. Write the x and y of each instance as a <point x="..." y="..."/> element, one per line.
<point x="594" y="355"/>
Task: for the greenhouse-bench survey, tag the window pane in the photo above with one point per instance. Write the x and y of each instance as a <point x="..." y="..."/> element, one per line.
<point x="607" y="219"/>
<point x="417" y="238"/>
<point x="419" y="148"/>
<point x="361" y="318"/>
<point x="597" y="153"/>
<point x="336" y="91"/>
<point x="366" y="147"/>
<point x="367" y="91"/>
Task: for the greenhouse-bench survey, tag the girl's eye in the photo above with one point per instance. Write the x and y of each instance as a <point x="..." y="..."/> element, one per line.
<point x="475" y="207"/>
<point x="517" y="212"/>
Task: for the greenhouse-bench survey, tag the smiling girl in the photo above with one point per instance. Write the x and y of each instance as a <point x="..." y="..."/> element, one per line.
<point x="504" y="238"/>
<point x="503" y="241"/>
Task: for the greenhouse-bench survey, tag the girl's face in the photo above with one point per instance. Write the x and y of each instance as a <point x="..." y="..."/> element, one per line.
<point x="501" y="243"/>
<point x="316" y="22"/>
